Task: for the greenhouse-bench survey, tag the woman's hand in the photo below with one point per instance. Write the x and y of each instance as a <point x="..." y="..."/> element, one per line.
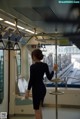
<point x="27" y="94"/>
<point x="55" y="67"/>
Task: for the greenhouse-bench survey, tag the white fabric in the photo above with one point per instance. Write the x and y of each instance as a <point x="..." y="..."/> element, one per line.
<point x="22" y="85"/>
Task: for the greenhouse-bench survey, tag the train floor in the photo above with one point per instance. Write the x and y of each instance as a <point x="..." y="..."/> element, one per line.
<point x="50" y="112"/>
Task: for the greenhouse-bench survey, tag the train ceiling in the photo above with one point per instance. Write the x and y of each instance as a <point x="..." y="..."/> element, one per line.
<point x="47" y="16"/>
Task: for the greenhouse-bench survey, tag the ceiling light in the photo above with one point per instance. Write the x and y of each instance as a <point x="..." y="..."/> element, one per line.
<point x="29" y="31"/>
<point x="1" y="19"/>
<point x="20" y="27"/>
<point x="9" y="23"/>
<point x="13" y="24"/>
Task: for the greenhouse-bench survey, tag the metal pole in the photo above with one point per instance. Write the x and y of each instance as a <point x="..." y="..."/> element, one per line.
<point x="56" y="85"/>
<point x="8" y="81"/>
<point x="8" y="48"/>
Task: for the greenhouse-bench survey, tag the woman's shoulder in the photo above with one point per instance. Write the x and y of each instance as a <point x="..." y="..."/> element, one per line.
<point x="32" y="65"/>
<point x="39" y="63"/>
<point x="44" y="64"/>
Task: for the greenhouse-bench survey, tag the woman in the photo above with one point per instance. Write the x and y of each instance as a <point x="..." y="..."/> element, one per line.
<point x="37" y="70"/>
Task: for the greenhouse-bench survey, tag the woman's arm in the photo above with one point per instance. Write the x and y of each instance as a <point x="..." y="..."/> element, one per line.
<point x="48" y="74"/>
<point x="29" y="84"/>
<point x="30" y="80"/>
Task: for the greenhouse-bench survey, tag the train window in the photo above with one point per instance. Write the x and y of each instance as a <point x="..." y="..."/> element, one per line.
<point x="68" y="61"/>
<point x="18" y="61"/>
<point x="1" y="75"/>
<point x="18" y="68"/>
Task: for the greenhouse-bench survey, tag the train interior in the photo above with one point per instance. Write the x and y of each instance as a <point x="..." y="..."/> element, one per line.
<point x="54" y="27"/>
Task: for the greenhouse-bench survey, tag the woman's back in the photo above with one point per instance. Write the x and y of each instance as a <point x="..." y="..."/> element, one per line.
<point x="37" y="71"/>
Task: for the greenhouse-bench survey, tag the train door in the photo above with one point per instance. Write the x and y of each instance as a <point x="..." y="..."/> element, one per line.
<point x="18" y="83"/>
<point x="3" y="81"/>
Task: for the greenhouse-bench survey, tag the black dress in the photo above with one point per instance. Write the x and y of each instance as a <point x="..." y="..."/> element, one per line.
<point x="37" y="71"/>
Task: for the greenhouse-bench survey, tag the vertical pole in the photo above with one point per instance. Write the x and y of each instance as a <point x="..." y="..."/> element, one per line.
<point x="8" y="81"/>
<point x="56" y="95"/>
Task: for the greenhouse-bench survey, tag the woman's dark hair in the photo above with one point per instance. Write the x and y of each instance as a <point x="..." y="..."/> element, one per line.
<point x="37" y="53"/>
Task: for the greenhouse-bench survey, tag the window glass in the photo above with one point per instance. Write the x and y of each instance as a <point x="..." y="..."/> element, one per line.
<point x="18" y="61"/>
<point x="68" y="61"/>
<point x="1" y="76"/>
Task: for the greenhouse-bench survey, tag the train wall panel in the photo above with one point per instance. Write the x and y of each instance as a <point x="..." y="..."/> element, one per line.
<point x="69" y="97"/>
<point x="24" y="109"/>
